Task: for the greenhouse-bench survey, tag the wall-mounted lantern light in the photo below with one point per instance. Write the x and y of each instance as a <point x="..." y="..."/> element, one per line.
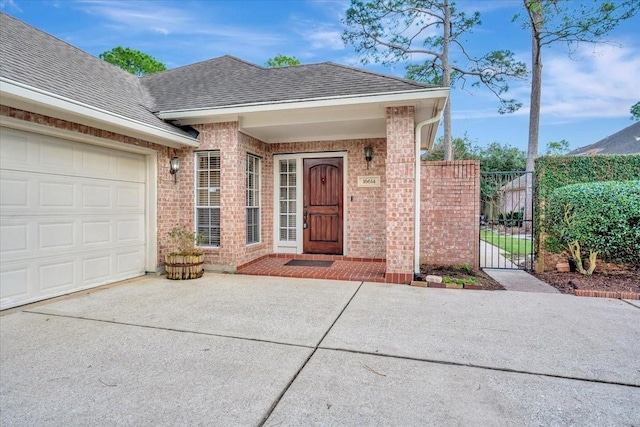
<point x="368" y="155"/>
<point x="174" y="167"/>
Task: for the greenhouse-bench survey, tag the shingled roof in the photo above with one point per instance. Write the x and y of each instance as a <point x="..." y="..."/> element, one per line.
<point x="42" y="63"/>
<point x="37" y="59"/>
<point x="229" y="81"/>
<point x="626" y="141"/>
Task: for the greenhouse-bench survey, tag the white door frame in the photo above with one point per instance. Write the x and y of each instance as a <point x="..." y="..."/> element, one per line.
<point x="297" y="246"/>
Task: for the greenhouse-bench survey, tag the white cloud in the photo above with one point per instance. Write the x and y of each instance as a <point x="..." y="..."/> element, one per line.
<point x="604" y="83"/>
<point x="9" y="4"/>
<point x="325" y="39"/>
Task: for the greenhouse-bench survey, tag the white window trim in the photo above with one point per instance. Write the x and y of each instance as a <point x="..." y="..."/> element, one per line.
<point x="258" y="173"/>
<point x="195" y="195"/>
<point x="296" y="247"/>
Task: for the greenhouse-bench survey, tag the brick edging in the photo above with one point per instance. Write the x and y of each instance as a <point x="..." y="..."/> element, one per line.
<point x="606" y="294"/>
<point x="421" y="284"/>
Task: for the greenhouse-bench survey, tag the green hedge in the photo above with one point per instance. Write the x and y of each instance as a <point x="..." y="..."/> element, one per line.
<point x="553" y="172"/>
<point x="603" y="217"/>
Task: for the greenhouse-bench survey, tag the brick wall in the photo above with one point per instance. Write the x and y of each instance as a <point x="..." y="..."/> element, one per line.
<point x="369" y="220"/>
<point x="234" y="146"/>
<point x="400" y="197"/>
<point x="450" y="209"/>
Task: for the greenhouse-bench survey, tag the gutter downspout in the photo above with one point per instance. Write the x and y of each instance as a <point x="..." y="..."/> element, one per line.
<point x="416" y="190"/>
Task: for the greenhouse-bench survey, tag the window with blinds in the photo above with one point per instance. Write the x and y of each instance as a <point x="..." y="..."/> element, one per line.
<point x="253" y="199"/>
<point x="287" y="197"/>
<point x="208" y="197"/>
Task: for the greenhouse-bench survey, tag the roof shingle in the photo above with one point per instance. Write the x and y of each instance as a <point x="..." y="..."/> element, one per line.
<point x="34" y="58"/>
<point x="227" y="81"/>
<point x="626" y="141"/>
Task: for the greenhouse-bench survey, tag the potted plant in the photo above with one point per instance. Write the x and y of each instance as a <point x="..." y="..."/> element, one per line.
<point x="184" y="259"/>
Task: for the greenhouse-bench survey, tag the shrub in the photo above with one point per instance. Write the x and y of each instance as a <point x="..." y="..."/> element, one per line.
<point x="183" y="242"/>
<point x="511" y="219"/>
<point x="601" y="219"/>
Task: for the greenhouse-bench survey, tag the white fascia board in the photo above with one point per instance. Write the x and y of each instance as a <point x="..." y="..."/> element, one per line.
<point x="22" y="92"/>
<point x="388" y="99"/>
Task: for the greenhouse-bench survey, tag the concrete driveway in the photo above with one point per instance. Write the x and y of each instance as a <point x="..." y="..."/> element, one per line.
<point x="250" y="351"/>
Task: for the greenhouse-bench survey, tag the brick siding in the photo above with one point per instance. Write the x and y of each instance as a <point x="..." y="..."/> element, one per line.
<point x="450" y="209"/>
<point x="400" y="197"/>
<point x="379" y="221"/>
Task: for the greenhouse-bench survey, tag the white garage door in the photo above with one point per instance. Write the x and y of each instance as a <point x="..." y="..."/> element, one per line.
<point x="72" y="216"/>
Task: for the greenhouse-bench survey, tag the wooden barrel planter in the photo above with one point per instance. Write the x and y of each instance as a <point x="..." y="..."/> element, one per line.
<point x="182" y="267"/>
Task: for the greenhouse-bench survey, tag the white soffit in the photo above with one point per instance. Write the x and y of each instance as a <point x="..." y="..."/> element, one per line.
<point x="320" y="120"/>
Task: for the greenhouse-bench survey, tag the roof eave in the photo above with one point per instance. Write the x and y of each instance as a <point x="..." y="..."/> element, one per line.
<point x="16" y="94"/>
<point x="388" y="98"/>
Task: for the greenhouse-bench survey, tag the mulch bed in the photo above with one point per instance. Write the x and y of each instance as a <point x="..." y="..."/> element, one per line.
<point x="605" y="281"/>
<point x="482" y="279"/>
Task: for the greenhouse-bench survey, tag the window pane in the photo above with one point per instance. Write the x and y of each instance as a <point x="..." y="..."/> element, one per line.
<point x="207" y="193"/>
<point x="252" y="197"/>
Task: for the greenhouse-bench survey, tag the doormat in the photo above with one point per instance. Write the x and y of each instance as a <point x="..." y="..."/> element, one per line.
<point x="309" y="263"/>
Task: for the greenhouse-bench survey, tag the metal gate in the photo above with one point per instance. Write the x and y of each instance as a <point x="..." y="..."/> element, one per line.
<point x="506" y="220"/>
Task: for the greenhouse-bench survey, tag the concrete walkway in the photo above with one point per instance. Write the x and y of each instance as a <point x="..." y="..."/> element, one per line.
<point x="266" y="351"/>
<point x="520" y="281"/>
<point x="505" y="272"/>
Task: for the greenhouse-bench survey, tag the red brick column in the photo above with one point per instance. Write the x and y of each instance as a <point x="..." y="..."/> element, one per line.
<point x="400" y="174"/>
<point x="450" y="213"/>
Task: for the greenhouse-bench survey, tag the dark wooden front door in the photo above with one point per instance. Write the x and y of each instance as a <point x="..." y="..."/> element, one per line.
<point x="322" y="203"/>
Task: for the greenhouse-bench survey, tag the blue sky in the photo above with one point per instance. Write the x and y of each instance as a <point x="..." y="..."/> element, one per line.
<point x="585" y="98"/>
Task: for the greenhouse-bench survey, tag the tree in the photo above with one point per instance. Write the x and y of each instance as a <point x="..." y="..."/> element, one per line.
<point x="497" y="157"/>
<point x="635" y="111"/>
<point x="282" y="61"/>
<point x="557" y="148"/>
<point x="553" y="21"/>
<point x="133" y="61"/>
<point x="462" y="149"/>
<point x="388" y="31"/>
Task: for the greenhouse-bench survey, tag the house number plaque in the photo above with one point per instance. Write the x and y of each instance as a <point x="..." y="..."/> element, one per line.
<point x="369" y="181"/>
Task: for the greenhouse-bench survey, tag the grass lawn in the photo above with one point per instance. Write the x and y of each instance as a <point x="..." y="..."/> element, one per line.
<point x="509" y="244"/>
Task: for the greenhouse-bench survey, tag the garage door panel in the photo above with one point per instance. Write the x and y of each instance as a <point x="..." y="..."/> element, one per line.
<point x="38" y="194"/>
<point x="56" y="156"/>
<point x="24" y="281"/>
<point x="72" y="216"/>
<point x="14" y="239"/>
<point x="13" y="192"/>
<point x="129" y="168"/>
<point x="96" y="196"/>
<point x="56" y="194"/>
<point x="129" y="197"/>
<point x="37" y="153"/>
<point x="33" y="237"/>
<point x="13" y="283"/>
<point x="130" y="230"/>
<point x="14" y="148"/>
<point x="57" y="236"/>
<point x="96" y="269"/>
<point x="57" y="275"/>
<point x="96" y="232"/>
<point x="129" y="262"/>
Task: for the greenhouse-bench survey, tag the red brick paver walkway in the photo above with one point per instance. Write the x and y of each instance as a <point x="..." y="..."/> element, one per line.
<point x="343" y="268"/>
